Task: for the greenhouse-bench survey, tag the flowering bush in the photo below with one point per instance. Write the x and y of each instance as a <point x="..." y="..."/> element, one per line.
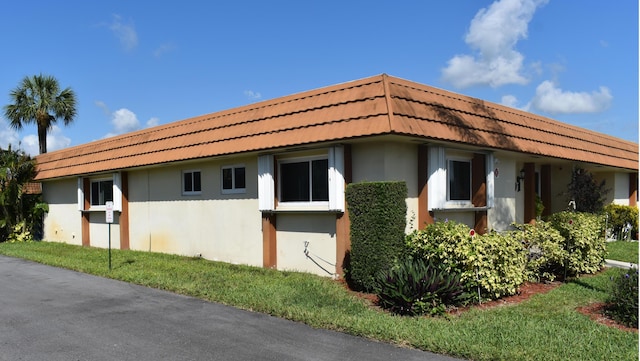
<point x="584" y="240"/>
<point x="546" y="250"/>
<point x="623" y="303"/>
<point x="494" y="262"/>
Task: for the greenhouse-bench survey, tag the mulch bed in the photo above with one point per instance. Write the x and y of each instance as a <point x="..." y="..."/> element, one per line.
<point x="594" y="311"/>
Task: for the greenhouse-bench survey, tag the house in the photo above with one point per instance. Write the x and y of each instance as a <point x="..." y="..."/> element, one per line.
<point x="263" y="184"/>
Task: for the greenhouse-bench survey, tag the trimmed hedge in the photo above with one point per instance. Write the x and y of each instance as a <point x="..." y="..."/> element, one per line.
<point x="377" y="211"/>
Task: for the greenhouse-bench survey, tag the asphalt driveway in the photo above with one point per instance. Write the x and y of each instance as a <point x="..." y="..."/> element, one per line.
<point x="48" y="313"/>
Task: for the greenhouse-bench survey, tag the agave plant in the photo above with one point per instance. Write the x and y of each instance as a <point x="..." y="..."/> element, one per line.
<point x="415" y="287"/>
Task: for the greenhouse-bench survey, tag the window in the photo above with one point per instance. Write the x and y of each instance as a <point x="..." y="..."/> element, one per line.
<point x="191" y="183"/>
<point x="233" y="179"/>
<point x="459" y="180"/>
<point x="308" y="182"/>
<point x="101" y="192"/>
<point x="450" y="178"/>
<point x="304" y="180"/>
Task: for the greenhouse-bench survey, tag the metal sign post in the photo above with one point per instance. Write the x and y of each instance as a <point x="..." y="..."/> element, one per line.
<point x="109" y="219"/>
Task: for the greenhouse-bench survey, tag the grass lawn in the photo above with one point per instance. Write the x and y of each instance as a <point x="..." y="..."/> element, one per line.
<point x="546" y="327"/>
<point x="624" y="251"/>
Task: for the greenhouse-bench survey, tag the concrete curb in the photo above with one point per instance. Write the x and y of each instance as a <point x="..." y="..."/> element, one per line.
<point x="619" y="264"/>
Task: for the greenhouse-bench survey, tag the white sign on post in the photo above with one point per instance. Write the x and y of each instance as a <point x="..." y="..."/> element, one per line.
<point x="109" y="213"/>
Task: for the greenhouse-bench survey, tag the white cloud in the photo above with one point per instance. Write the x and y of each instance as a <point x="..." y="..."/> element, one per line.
<point x="552" y="99"/>
<point x="124" y="120"/>
<point x="55" y="141"/>
<point x="493" y="34"/>
<point x="510" y="101"/>
<point x="125" y="32"/>
<point x="164" y="48"/>
<point x="252" y="95"/>
<point x="153" y="122"/>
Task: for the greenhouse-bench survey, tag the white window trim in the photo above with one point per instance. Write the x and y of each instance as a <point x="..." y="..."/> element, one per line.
<point x="450" y="203"/>
<point x="438" y="181"/>
<point x="233" y="190"/>
<point x="117" y="193"/>
<point x="182" y="184"/>
<point x="267" y="190"/>
<point x="315" y="205"/>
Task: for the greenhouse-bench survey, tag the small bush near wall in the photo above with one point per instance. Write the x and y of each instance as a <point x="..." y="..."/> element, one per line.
<point x="377" y="211"/>
<point x="585" y="242"/>
<point x="623" y="302"/>
<point x="620" y="217"/>
<point x="494" y="261"/>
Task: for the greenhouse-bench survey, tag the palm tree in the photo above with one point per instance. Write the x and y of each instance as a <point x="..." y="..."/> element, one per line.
<point x="38" y="99"/>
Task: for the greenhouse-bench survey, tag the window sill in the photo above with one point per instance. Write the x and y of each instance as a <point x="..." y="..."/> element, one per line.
<point x="460" y="209"/>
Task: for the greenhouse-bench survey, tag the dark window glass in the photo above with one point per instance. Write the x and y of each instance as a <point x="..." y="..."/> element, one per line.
<point x="192" y="182"/>
<point x="294" y="182"/>
<point x="101" y="192"/>
<point x="196" y="182"/>
<point x="320" y="180"/>
<point x="227" y="178"/>
<point x="239" y="175"/>
<point x="188" y="182"/>
<point x="459" y="180"/>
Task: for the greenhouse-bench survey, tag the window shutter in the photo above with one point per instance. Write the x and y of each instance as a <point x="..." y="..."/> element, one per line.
<point x="437" y="182"/>
<point x="266" y="185"/>
<point x="117" y="192"/>
<point x="80" y="194"/>
<point x="490" y="180"/>
<point x="336" y="179"/>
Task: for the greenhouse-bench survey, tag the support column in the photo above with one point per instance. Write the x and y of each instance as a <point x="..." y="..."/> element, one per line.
<point x="269" y="250"/>
<point x="633" y="189"/>
<point x="479" y="189"/>
<point x="343" y="224"/>
<point x="424" y="216"/>
<point x="86" y="233"/>
<point x="123" y="220"/>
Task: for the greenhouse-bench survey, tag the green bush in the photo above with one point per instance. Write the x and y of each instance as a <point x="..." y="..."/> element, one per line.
<point x="416" y="287"/>
<point x="546" y="251"/>
<point x="623" y="303"/>
<point x="619" y="217"/>
<point x="584" y="240"/>
<point x="377" y="211"/>
<point x="494" y="262"/>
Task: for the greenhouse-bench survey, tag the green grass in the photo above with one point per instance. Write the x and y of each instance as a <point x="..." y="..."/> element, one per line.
<point x="546" y="327"/>
<point x="624" y="251"/>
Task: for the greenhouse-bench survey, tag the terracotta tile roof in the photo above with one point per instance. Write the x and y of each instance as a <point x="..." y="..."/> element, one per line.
<point x="372" y="106"/>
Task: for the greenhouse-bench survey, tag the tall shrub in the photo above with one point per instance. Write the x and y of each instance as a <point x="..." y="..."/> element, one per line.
<point x="619" y="217"/>
<point x="584" y="240"/>
<point x="377" y="211"/>
<point x="588" y="195"/>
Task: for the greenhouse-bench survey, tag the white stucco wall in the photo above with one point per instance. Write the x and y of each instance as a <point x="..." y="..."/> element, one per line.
<point x="315" y="230"/>
<point x="223" y="227"/>
<point x="389" y="161"/>
<point x="63" y="222"/>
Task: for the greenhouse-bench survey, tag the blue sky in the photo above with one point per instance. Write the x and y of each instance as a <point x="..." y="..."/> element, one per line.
<point x="135" y="64"/>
